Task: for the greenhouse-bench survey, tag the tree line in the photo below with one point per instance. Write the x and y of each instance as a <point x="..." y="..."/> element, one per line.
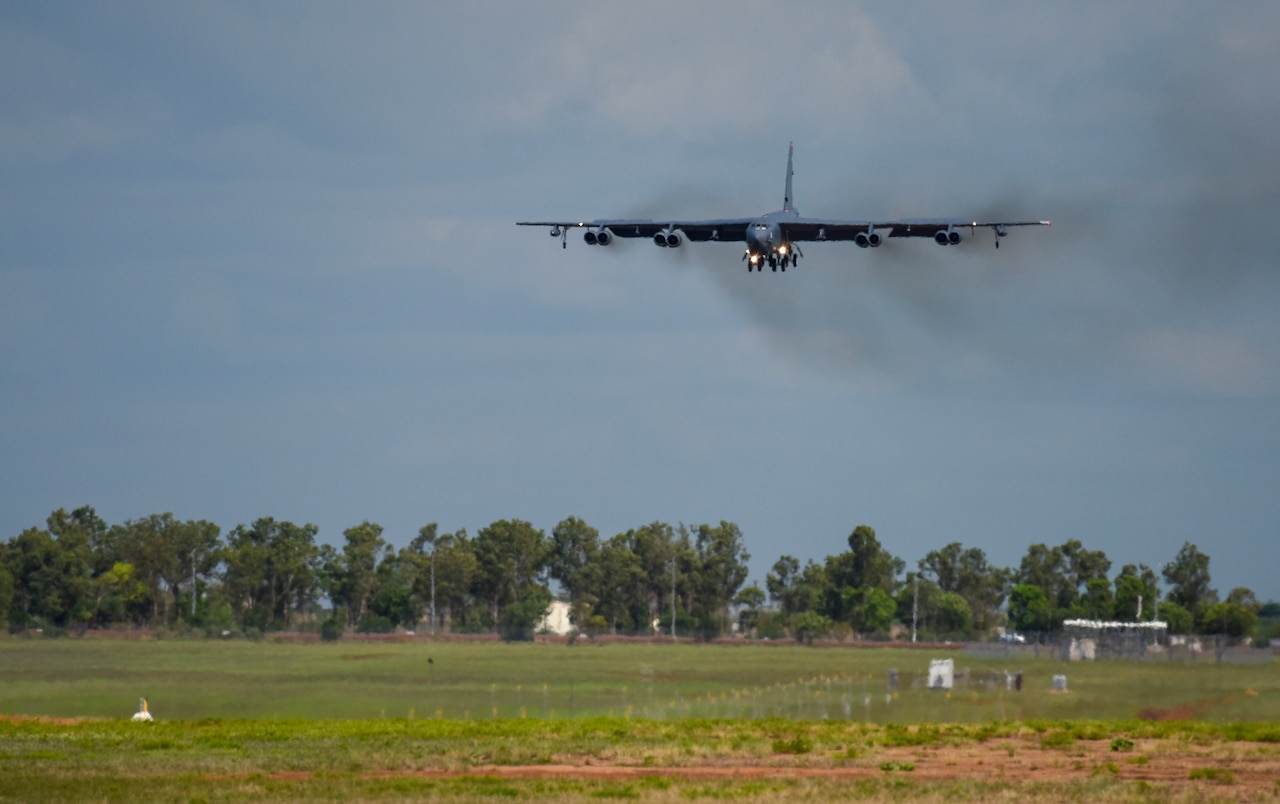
<point x="80" y="572"/>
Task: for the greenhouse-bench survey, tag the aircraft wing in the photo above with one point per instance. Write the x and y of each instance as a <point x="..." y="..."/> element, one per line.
<point x="723" y="229"/>
<point x="802" y="229"/>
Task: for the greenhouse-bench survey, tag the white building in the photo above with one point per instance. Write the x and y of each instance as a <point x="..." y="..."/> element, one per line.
<point x="556" y="620"/>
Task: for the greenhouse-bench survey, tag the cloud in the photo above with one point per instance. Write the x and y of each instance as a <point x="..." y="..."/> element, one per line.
<point x="696" y="72"/>
<point x="1219" y="364"/>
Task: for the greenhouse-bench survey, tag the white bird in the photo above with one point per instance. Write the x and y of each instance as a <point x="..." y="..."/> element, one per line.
<point x="143" y="713"/>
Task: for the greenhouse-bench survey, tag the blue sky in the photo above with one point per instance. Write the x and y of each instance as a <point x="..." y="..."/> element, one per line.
<point x="261" y="261"/>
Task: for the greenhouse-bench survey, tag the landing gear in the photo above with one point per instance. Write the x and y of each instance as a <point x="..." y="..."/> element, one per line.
<point x="777" y="261"/>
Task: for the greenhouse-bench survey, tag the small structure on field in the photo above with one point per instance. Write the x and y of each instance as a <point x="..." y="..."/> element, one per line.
<point x="556" y="620"/>
<point x="942" y="674"/>
<point x="143" y="715"/>
<point x="1107" y="639"/>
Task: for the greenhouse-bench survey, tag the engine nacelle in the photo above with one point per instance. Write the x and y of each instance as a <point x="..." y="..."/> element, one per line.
<point x="673" y="240"/>
<point x="867" y="239"/>
<point x="948" y="238"/>
<point x="590" y="238"/>
<point x="660" y="240"/>
<point x="603" y="238"/>
<point x="953" y="238"/>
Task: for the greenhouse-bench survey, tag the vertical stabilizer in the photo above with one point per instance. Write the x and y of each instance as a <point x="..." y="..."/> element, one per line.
<point x="787" y="201"/>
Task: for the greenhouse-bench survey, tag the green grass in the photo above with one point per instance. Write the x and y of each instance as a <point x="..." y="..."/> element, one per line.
<point x="373" y="720"/>
<point x="195" y="679"/>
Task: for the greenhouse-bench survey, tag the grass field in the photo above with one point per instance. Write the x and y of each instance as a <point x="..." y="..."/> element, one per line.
<point x="190" y="680"/>
<point x="477" y="721"/>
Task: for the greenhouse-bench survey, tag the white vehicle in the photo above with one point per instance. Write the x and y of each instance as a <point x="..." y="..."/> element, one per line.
<point x="1013" y="637"/>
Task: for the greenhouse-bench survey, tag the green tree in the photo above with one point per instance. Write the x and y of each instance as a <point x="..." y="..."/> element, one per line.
<point x="270" y="571"/>
<point x="573" y="557"/>
<point x="1188" y="577"/>
<point x="1044" y="568"/>
<point x="873" y="612"/>
<point x="510" y="560"/>
<point x="1098" y="602"/>
<point x="783" y="583"/>
<point x="668" y="561"/>
<point x="967" y="573"/>
<point x="353" y="574"/>
<point x="722" y="569"/>
<point x="166" y="555"/>
<point x="244" y="575"/>
<point x="1064" y="573"/>
<point x="1135" y="593"/>
<point x="121" y="597"/>
<point x="419" y="559"/>
<point x="1029" y="608"/>
<point x="1228" y="618"/>
<point x="869" y="565"/>
<point x="952" y="614"/>
<point x="810" y="625"/>
<point x="854" y="575"/>
<point x="293" y="563"/>
<point x="750" y="602"/>
<point x="915" y="598"/>
<point x="455" y="563"/>
<point x="1084" y="567"/>
<point x="1244" y="596"/>
<point x="520" y="617"/>
<point x="393" y="602"/>
<point x="84" y="527"/>
<point x="6" y="589"/>
<point x="616" y="582"/>
<point x="1179" y="619"/>
<point x="51" y="583"/>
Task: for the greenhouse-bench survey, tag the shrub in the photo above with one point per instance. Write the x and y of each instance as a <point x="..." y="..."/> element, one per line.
<point x="1219" y="775"/>
<point x="376" y="624"/>
<point x="894" y="765"/>
<point x="796" y="745"/>
<point x="331" y="629"/>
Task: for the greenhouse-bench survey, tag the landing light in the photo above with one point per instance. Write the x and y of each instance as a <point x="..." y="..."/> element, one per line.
<point x="782" y="249"/>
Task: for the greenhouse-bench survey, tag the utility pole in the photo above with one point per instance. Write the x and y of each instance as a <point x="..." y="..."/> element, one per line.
<point x="193" y="584"/>
<point x="433" y="589"/>
<point x="1156" y="612"/>
<point x="673" y="596"/>
<point x="915" y="596"/>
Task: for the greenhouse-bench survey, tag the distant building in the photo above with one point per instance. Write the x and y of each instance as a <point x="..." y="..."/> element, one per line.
<point x="556" y="620"/>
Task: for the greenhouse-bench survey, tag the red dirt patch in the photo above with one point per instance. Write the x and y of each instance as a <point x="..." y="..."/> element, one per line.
<point x="1253" y="768"/>
<point x="62" y="721"/>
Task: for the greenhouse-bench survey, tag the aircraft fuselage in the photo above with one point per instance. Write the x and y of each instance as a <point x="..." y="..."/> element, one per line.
<point x="765" y="241"/>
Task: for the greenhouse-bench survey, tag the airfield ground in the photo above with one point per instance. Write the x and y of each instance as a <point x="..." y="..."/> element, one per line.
<point x="652" y="722"/>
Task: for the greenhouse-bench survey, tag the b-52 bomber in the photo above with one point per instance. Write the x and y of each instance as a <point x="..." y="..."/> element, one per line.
<point x="773" y="239"/>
